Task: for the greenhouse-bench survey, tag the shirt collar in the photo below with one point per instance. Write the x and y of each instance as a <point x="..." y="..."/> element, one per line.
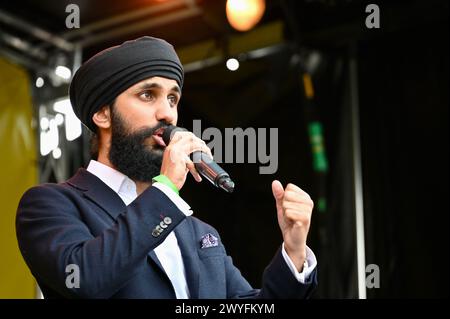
<point x="118" y="182"/>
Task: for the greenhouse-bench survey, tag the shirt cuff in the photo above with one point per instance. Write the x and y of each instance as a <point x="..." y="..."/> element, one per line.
<point x="174" y="197"/>
<point x="166" y="181"/>
<point x="308" y="266"/>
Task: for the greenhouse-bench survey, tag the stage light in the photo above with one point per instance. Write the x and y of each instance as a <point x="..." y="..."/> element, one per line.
<point x="49" y="139"/>
<point x="56" y="153"/>
<point x="73" y="124"/>
<point x="44" y="124"/>
<point x="63" y="72"/>
<point x="232" y="64"/>
<point x="59" y="118"/>
<point x="39" y="82"/>
<point x="244" y="14"/>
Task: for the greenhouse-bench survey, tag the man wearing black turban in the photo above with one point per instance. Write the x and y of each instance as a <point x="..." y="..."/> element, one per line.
<point x="119" y="228"/>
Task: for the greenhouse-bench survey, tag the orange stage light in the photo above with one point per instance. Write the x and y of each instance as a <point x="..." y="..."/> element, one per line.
<point x="244" y="14"/>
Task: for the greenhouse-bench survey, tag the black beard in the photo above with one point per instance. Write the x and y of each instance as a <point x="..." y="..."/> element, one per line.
<point x="130" y="155"/>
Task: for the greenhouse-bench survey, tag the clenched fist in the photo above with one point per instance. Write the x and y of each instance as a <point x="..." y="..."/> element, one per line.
<point x="294" y="209"/>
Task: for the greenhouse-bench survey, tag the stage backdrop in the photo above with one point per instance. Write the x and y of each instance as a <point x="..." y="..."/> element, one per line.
<point x="18" y="171"/>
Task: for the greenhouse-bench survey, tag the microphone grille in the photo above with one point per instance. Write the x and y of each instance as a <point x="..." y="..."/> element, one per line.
<point x="169" y="131"/>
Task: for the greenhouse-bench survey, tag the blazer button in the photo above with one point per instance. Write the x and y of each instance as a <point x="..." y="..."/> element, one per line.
<point x="155" y="233"/>
<point x="159" y="229"/>
<point x="167" y="220"/>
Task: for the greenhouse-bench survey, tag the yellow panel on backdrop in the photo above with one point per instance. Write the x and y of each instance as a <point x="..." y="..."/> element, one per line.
<point x="18" y="171"/>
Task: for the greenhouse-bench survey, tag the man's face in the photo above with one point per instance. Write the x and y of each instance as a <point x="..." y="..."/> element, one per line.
<point x="137" y="115"/>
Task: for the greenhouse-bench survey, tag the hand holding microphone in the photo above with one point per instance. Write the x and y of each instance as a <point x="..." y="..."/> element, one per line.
<point x="177" y="163"/>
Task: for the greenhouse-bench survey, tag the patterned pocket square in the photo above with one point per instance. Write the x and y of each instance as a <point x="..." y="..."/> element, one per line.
<point x="209" y="240"/>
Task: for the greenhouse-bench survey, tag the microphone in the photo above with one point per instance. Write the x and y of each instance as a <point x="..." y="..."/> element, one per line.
<point x="204" y="164"/>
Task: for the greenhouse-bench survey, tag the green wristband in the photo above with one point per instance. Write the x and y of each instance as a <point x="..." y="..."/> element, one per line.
<point x="166" y="181"/>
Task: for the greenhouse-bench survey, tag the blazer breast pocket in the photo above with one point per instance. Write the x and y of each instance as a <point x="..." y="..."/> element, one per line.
<point x="209" y="252"/>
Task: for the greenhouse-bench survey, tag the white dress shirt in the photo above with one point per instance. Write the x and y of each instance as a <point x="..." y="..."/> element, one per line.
<point x="168" y="252"/>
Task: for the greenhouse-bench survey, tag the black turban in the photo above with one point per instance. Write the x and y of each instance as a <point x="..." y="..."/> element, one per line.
<point x="110" y="72"/>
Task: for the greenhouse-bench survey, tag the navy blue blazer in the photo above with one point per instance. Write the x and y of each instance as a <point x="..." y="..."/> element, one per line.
<point x="84" y="222"/>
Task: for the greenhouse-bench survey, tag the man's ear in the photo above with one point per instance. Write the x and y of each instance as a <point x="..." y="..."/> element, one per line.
<point x="102" y="118"/>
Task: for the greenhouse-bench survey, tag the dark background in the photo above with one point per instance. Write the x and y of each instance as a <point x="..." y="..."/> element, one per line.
<point x="403" y="112"/>
<point x="403" y="89"/>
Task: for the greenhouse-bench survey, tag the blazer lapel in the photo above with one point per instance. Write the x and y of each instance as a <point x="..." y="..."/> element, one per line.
<point x="98" y="192"/>
<point x="186" y="241"/>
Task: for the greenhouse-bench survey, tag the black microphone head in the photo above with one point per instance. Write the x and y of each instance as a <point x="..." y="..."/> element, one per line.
<point x="169" y="131"/>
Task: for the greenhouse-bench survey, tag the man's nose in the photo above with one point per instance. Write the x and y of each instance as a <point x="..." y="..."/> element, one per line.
<point x="165" y="112"/>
